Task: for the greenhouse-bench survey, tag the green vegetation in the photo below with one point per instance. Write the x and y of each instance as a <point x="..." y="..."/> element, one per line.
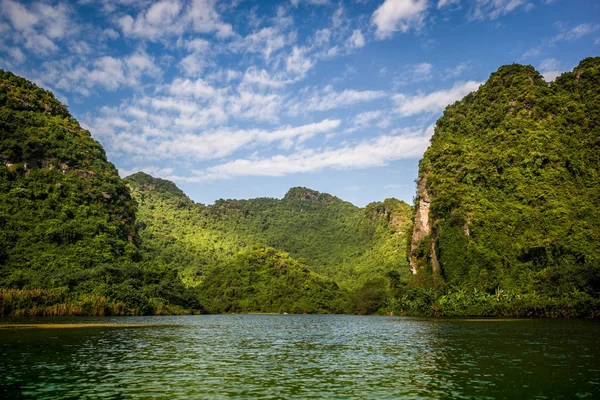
<point x="333" y="237"/>
<point x="76" y="242"/>
<point x="513" y="176"/>
<point x="510" y="187"/>
<point x="267" y="280"/>
<point x="361" y="250"/>
<point x="67" y="221"/>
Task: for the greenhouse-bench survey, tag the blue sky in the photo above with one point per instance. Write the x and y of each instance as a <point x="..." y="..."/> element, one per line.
<point x="241" y="98"/>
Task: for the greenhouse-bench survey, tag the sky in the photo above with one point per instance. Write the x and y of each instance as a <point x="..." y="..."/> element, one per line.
<point x="243" y="99"/>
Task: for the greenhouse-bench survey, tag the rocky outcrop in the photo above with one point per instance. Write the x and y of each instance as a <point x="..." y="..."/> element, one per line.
<point x="422" y="227"/>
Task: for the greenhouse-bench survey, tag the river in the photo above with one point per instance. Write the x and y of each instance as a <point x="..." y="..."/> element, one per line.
<point x="302" y="356"/>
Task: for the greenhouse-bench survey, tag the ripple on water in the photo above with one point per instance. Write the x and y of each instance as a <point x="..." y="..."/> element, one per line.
<point x="304" y="356"/>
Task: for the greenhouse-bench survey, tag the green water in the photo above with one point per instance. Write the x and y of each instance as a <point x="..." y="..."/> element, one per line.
<point x="303" y="356"/>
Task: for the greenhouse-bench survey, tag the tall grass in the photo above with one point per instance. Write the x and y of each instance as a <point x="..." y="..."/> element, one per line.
<point x="53" y="303"/>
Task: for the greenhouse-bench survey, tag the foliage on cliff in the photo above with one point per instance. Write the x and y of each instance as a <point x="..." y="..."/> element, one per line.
<point x="513" y="175"/>
<point x="66" y="218"/>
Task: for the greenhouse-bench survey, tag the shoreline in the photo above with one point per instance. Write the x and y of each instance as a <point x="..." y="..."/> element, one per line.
<point x="74" y="325"/>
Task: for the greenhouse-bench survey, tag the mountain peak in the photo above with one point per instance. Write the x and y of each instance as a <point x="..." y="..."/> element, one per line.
<point x="306" y="194"/>
<point x="145" y="182"/>
<point x="19" y="94"/>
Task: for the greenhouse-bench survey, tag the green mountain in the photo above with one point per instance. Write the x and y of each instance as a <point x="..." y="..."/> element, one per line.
<point x="67" y="221"/>
<point x="334" y="238"/>
<point x="63" y="206"/>
<point x="508" y="204"/>
<point x="268" y="280"/>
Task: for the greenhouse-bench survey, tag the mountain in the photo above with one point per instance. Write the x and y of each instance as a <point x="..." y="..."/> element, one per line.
<point x="63" y="206"/>
<point x="79" y="240"/>
<point x="67" y="221"/>
<point x="334" y="238"/>
<point x="508" y="198"/>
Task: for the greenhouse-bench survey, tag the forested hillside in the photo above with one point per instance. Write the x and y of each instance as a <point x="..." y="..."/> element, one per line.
<point x="67" y="221"/>
<point x="508" y="207"/>
<point x="334" y="238"/>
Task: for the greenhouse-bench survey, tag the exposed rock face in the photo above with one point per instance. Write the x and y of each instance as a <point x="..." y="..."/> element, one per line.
<point x="422" y="227"/>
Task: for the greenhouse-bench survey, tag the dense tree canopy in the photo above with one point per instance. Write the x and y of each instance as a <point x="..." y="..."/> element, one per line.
<point x="513" y="177"/>
<point x="67" y="221"/>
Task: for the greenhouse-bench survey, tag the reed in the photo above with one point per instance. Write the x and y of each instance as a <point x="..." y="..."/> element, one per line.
<point x="57" y="302"/>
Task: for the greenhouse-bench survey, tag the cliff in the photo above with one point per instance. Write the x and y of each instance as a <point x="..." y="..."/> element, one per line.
<point x="509" y="190"/>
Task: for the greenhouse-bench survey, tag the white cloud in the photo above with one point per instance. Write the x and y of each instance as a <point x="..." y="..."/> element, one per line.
<point x="322" y="37"/>
<point x="414" y="73"/>
<point x="159" y="19"/>
<point x="493" y="9"/>
<point x="205" y="19"/>
<point x="106" y="72"/>
<point x="457" y="70"/>
<point x="399" y="16"/>
<point x="295" y="3"/>
<point x="339" y="19"/>
<point x="357" y="39"/>
<point x="577" y="32"/>
<point x="298" y="63"/>
<point x="565" y="35"/>
<point x="550" y="68"/>
<point x="198" y="88"/>
<point x="254" y="106"/>
<point x="444" y="3"/>
<point x="21" y="19"/>
<point x="368" y="119"/>
<point x="155" y="138"/>
<point x="533" y="52"/>
<point x="110" y="6"/>
<point x="365" y="118"/>
<point x="266" y="41"/>
<point x="433" y="102"/>
<point x="172" y="18"/>
<point x="368" y="153"/>
<point x="38" y="26"/>
<point x="329" y="99"/>
<point x="198" y="58"/>
<point x="262" y="78"/>
<point x="17" y="55"/>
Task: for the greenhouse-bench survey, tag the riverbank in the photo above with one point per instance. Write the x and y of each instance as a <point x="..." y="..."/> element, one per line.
<point x="72" y="326"/>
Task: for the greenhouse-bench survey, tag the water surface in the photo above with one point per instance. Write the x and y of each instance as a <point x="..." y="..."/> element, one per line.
<point x="303" y="356"/>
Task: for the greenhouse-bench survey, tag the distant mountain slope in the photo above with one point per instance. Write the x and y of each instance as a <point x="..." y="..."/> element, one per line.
<point x="268" y="280"/>
<point x="335" y="238"/>
<point x="509" y="190"/>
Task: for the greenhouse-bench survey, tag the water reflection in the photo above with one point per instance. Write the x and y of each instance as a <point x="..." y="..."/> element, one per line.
<point x="304" y="356"/>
